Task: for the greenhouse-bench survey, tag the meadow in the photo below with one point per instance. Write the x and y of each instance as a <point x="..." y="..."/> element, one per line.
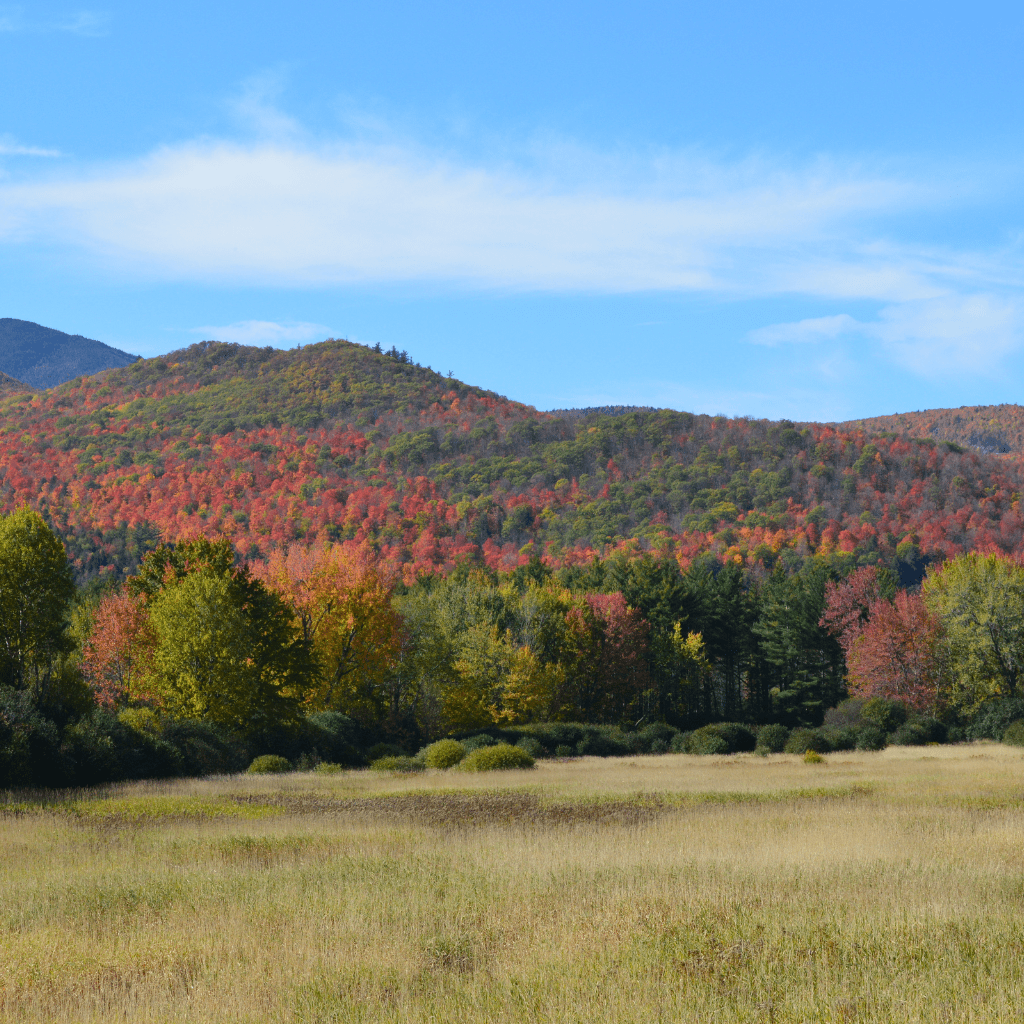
<point x="877" y="886"/>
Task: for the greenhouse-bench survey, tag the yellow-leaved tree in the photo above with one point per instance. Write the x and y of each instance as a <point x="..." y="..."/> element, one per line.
<point x="341" y="598"/>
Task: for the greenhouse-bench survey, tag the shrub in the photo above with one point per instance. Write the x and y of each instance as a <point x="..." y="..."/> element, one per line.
<point x="994" y="717"/>
<point x="334" y="737"/>
<point x="531" y="745"/>
<point x="848" y="714"/>
<point x="500" y="757"/>
<point x="328" y="768"/>
<point x="564" y="750"/>
<point x="396" y="763"/>
<point x="205" y="749"/>
<point x="1014" y="734"/>
<point x="142" y="720"/>
<point x="813" y="757"/>
<point x="659" y="746"/>
<point x="680" y="742"/>
<point x="802" y="740"/>
<point x="478" y="741"/>
<point x="443" y="754"/>
<point x="706" y="742"/>
<point x="736" y="737"/>
<point x="840" y="739"/>
<point x="658" y="732"/>
<point x="888" y="715"/>
<point x="379" y="750"/>
<point x="870" y="738"/>
<point x="601" y="744"/>
<point x="772" y="739"/>
<point x="269" y="764"/>
<point x="919" y="731"/>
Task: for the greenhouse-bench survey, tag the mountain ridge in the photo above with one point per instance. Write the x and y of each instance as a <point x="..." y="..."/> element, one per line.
<point x="339" y="442"/>
<point x="43" y="357"/>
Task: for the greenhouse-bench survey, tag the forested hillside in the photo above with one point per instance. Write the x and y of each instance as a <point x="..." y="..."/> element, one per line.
<point x="339" y="441"/>
<point x="997" y="429"/>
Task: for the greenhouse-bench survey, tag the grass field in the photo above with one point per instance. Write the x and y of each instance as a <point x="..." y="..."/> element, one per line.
<point x="875" y="887"/>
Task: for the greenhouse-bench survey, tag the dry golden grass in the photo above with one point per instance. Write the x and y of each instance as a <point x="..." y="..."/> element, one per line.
<point x="874" y="887"/>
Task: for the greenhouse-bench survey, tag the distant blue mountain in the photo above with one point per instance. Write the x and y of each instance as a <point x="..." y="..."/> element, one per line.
<point x="43" y="357"/>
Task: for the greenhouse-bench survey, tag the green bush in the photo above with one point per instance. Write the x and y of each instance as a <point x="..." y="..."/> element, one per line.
<point x="735" y="736"/>
<point x="848" y="714"/>
<point x="601" y="744"/>
<point x="1014" y="734"/>
<point x="910" y="734"/>
<point x="704" y="741"/>
<point x="531" y="745"/>
<point x="802" y="740"/>
<point x="269" y="764"/>
<point x="379" y="750"/>
<point x="772" y="738"/>
<point x="142" y="720"/>
<point x="659" y="746"/>
<point x="500" y="757"/>
<point x="481" y="739"/>
<point x="443" y="754"/>
<point x="994" y="717"/>
<point x="564" y="750"/>
<point x="680" y="742"/>
<point x="919" y="731"/>
<point x="870" y="737"/>
<point x="396" y="763"/>
<point x="328" y="768"/>
<point x="840" y="738"/>
<point x="888" y="715"/>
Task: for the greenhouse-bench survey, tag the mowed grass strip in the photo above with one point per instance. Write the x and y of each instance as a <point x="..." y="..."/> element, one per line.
<point x="739" y="890"/>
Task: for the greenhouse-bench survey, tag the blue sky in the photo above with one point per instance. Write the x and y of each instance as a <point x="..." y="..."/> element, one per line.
<point x="772" y="209"/>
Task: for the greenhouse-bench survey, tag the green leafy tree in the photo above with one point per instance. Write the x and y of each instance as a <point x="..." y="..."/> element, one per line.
<point x="36" y="589"/>
<point x="980" y="600"/>
<point x="226" y="651"/>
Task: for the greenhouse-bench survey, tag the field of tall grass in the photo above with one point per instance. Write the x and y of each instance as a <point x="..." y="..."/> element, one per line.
<point x="881" y="886"/>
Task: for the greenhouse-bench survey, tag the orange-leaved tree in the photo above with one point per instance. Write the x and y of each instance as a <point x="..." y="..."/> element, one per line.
<point x="341" y="597"/>
<point x="118" y="649"/>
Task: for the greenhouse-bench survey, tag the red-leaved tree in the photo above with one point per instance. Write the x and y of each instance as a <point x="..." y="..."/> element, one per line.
<point x="118" y="648"/>
<point x="898" y="654"/>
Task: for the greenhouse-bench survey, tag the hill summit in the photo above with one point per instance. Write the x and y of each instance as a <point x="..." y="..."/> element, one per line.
<point x="43" y="357"/>
<point x="350" y="444"/>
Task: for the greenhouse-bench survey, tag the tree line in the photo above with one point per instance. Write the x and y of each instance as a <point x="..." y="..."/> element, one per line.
<point x="200" y="659"/>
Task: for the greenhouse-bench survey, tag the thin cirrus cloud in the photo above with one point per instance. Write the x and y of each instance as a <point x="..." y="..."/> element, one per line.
<point x="283" y="212"/>
<point x="81" y="23"/>
<point x="264" y="332"/>
<point x="934" y="337"/>
<point x="9" y="146"/>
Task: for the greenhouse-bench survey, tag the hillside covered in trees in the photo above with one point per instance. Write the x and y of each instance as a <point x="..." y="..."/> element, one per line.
<point x="997" y="429"/>
<point x="338" y="441"/>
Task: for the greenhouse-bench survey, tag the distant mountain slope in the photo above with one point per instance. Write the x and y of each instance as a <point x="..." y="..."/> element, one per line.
<point x="10" y="386"/>
<point x="997" y="429"/>
<point x="43" y="357"/>
<point x="341" y="442"/>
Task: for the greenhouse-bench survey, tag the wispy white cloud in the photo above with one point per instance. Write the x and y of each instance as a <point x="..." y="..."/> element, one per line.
<point x="9" y="146"/>
<point x="287" y="211"/>
<point x="934" y="337"/>
<point x="264" y="332"/>
<point x="805" y="330"/>
<point x="255" y="109"/>
<point x="287" y="214"/>
<point x="81" y="23"/>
